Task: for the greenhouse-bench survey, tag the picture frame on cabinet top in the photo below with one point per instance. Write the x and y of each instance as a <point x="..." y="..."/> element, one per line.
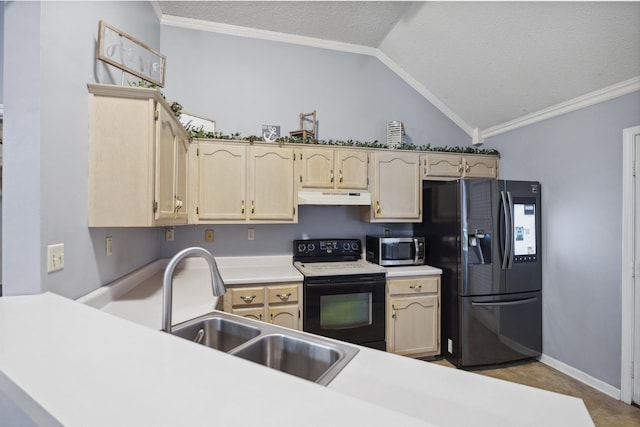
<point x="117" y="48"/>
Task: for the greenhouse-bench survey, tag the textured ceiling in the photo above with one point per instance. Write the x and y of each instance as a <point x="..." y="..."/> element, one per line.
<point x="486" y="62"/>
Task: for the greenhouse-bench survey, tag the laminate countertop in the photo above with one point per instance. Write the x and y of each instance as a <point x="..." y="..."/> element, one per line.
<point x="88" y="366"/>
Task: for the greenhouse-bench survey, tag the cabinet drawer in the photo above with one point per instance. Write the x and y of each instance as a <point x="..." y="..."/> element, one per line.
<point x="277" y="294"/>
<point x="420" y="285"/>
<point x="246" y="296"/>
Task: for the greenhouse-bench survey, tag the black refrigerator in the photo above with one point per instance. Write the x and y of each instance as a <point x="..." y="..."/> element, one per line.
<point x="485" y="235"/>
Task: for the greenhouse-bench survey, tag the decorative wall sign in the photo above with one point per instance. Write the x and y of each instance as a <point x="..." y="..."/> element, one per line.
<point x="270" y="132"/>
<point x="197" y="123"/>
<point x="119" y="49"/>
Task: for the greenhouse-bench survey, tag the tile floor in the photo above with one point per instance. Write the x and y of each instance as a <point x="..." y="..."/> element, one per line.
<point x="604" y="410"/>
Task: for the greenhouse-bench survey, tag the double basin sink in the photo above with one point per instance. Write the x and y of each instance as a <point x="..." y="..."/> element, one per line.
<point x="311" y="357"/>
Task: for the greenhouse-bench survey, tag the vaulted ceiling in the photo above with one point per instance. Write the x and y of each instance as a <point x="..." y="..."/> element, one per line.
<point x="487" y="65"/>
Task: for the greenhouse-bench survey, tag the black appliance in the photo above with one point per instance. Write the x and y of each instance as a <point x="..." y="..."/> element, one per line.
<point x="343" y="295"/>
<point x="485" y="235"/>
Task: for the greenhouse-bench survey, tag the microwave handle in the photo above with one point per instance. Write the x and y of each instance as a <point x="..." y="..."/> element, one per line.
<point x="415" y="250"/>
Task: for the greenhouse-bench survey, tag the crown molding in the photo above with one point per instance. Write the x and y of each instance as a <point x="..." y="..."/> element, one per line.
<point x="419" y="87"/>
<point x="235" y="30"/>
<point x="605" y="94"/>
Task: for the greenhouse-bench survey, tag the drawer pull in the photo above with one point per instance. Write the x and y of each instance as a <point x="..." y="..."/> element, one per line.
<point x="418" y="287"/>
<point x="247" y="298"/>
<point x="284" y="297"/>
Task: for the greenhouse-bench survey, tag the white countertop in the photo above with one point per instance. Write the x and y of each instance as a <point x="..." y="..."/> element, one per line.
<point x="88" y="368"/>
<point x="424" y="391"/>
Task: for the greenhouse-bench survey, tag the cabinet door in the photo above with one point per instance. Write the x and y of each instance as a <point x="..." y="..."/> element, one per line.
<point x="413" y="327"/>
<point x="271" y="184"/>
<point x="316" y="168"/>
<point x="221" y="182"/>
<point x="167" y="135"/>
<point x="442" y="165"/>
<point x="480" y="167"/>
<point x="398" y="188"/>
<point x="286" y="315"/>
<point x="351" y="168"/>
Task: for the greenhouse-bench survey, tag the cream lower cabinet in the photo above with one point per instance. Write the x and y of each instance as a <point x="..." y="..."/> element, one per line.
<point x="137" y="159"/>
<point x="332" y="169"/>
<point x="396" y="188"/>
<point x="277" y="303"/>
<point x="451" y="166"/>
<point x="236" y="183"/>
<point x="413" y="316"/>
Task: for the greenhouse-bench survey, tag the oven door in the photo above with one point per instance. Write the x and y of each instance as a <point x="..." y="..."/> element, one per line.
<point x="347" y="308"/>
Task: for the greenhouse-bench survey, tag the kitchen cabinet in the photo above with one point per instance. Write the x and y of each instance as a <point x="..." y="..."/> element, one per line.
<point x="395" y="186"/>
<point x="333" y="169"/>
<point x="137" y="159"/>
<point x="277" y="303"/>
<point x="413" y="316"/>
<point x="452" y="166"/>
<point x="233" y="182"/>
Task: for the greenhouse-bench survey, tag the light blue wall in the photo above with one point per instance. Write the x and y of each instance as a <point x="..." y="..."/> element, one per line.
<point x="243" y="83"/>
<point x="49" y="59"/>
<point x="578" y="159"/>
<point x="1" y="48"/>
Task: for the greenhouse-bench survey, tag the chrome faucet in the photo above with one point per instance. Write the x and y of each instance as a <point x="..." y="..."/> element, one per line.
<point x="217" y="285"/>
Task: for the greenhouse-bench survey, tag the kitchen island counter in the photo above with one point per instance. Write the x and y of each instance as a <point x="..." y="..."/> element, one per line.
<point x="86" y="367"/>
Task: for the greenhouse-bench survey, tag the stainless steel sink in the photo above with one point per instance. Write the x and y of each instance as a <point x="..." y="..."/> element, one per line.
<point x="307" y="356"/>
<point x="216" y="332"/>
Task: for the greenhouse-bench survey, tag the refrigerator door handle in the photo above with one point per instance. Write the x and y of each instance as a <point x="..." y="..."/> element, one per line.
<point x="507" y="230"/>
<point x="510" y="242"/>
<point x="503" y="303"/>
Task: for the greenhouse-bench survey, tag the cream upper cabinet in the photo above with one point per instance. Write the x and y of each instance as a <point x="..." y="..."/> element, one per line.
<point x="219" y="181"/>
<point x="137" y="159"/>
<point x="331" y="168"/>
<point x="395" y="186"/>
<point x="271" y="184"/>
<point x="413" y="316"/>
<point x="232" y="182"/>
<point x="452" y="166"/>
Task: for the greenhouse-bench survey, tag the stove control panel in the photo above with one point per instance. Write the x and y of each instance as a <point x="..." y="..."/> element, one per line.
<point x="327" y="250"/>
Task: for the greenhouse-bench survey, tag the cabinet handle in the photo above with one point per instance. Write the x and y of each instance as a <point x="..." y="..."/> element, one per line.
<point x="467" y="168"/>
<point x="393" y="312"/>
<point x="260" y="316"/>
<point x="247" y="298"/>
<point x="243" y="207"/>
<point x="459" y="167"/>
<point x="377" y="206"/>
<point x="178" y="204"/>
<point x="271" y="317"/>
<point x="284" y="297"/>
<point x="418" y="287"/>
<point x="332" y="176"/>
<point x="341" y="176"/>
<point x="253" y="206"/>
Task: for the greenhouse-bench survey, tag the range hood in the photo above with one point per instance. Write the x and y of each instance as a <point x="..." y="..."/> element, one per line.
<point x="334" y="198"/>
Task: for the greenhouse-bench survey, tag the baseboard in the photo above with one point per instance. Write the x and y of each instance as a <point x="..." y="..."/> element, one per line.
<point x="584" y="378"/>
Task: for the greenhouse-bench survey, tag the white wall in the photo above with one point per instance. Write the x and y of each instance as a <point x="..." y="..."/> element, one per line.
<point x="578" y="159"/>
<point x="49" y="59"/>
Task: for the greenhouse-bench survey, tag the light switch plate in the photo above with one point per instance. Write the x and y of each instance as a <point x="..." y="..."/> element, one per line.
<point x="55" y="257"/>
<point x="108" y="246"/>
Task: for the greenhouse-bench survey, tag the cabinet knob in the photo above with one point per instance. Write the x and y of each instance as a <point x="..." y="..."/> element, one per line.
<point x="284" y="297"/>
<point x="247" y="298"/>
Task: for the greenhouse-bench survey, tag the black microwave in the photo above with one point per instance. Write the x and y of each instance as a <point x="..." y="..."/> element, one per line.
<point x="395" y="251"/>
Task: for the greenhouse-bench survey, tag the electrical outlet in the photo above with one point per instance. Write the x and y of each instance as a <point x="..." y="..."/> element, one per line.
<point x="209" y="235"/>
<point x="251" y="233"/>
<point x="168" y="234"/>
<point x="55" y="257"/>
<point x="109" y="246"/>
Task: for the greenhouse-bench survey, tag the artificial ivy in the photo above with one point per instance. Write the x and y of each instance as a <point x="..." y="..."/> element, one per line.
<point x="202" y="134"/>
